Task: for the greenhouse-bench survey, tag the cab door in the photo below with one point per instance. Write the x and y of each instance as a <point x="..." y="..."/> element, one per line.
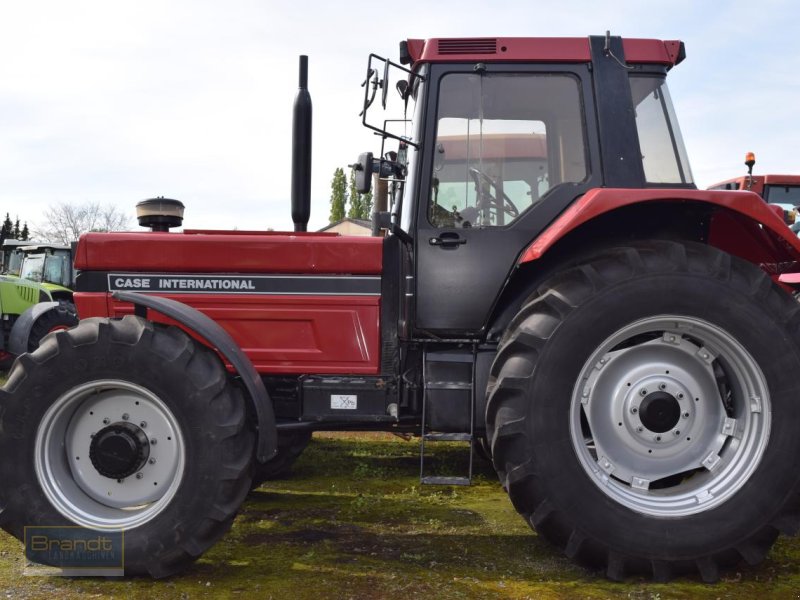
<point x="510" y="150"/>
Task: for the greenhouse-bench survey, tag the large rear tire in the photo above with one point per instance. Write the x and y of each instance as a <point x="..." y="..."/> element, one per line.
<point x="643" y="411"/>
<point x="63" y="316"/>
<point x="125" y="425"/>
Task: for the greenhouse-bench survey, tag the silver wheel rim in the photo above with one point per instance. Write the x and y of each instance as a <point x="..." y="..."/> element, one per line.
<point x="67" y="475"/>
<point x="670" y="416"/>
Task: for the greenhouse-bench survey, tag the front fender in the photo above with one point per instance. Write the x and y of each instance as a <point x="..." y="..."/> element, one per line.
<point x="217" y="337"/>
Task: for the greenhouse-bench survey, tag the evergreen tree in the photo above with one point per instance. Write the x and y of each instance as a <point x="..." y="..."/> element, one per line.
<point x="360" y="204"/>
<point x="16" y="232"/>
<point x="338" y="195"/>
<point x="7" y="230"/>
<point x="366" y="202"/>
<point x="25" y="235"/>
<point x="356" y="208"/>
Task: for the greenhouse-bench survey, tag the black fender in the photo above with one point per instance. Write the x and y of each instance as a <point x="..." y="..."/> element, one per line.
<point x="21" y="330"/>
<point x="209" y="330"/>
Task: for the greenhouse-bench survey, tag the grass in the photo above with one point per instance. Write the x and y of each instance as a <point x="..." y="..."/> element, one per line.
<point x="352" y="522"/>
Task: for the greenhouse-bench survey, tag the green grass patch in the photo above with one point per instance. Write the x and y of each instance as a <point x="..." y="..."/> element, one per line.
<point x="352" y="521"/>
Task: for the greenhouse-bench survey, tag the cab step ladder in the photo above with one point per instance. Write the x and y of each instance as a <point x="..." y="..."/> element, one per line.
<point x="434" y="388"/>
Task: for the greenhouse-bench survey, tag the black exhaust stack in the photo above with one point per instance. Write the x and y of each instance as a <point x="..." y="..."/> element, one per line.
<point x="301" y="152"/>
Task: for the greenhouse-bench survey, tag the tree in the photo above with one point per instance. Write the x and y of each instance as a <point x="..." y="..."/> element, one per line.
<point x="24" y="235"/>
<point x="360" y="204"/>
<point x="16" y="232"/>
<point x="64" y="223"/>
<point x="7" y="229"/>
<point x="338" y="195"/>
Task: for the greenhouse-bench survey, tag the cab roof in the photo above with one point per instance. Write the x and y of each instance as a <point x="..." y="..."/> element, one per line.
<point x="517" y="49"/>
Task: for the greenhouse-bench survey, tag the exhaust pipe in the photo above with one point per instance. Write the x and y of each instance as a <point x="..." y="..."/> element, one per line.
<point x="301" y="152"/>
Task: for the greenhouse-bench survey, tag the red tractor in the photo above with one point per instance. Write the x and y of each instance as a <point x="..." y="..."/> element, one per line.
<point x="782" y="192"/>
<point x="550" y="285"/>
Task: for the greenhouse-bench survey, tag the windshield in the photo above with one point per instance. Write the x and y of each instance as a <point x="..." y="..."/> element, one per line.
<point x="663" y="153"/>
<point x="402" y="211"/>
<point x="787" y="196"/>
<point x="33" y="267"/>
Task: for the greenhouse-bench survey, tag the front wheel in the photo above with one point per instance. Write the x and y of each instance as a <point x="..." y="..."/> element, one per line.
<point x="124" y="425"/>
<point x="643" y="411"/>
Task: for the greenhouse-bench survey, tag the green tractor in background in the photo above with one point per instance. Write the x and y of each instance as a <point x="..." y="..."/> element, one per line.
<point x="11" y="256"/>
<point x="35" y="295"/>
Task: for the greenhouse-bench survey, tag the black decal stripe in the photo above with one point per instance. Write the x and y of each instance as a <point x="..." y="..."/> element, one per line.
<point x="284" y="285"/>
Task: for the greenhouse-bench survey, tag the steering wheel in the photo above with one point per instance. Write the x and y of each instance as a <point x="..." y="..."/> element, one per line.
<point x="506" y="205"/>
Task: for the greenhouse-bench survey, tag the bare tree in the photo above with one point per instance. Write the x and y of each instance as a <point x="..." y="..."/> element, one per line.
<point x="64" y="223"/>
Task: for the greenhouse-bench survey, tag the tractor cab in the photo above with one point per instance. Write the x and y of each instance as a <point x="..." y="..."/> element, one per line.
<point x="50" y="265"/>
<point x="496" y="138"/>
<point x="12" y="256"/>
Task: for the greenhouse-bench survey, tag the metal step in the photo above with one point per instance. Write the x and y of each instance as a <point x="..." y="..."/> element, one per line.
<point x="448" y="437"/>
<point x="433" y="480"/>
<point x="448" y="385"/>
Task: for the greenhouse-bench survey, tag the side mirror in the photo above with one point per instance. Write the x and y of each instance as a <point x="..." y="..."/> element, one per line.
<point x="363" y="170"/>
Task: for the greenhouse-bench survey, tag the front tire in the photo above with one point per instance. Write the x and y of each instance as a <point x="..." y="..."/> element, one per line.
<point x="643" y="415"/>
<point x="125" y="425"/>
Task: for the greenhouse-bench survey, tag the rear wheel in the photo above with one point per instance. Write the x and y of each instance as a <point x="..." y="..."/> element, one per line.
<point x="125" y="425"/>
<point x="643" y="411"/>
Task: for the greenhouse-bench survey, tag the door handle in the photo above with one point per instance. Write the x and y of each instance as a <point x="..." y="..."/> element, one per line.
<point x="447" y="239"/>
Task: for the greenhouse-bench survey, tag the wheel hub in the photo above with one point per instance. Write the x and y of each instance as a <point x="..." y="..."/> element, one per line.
<point x="110" y="454"/>
<point x="653" y="426"/>
<point x="119" y="450"/>
<point x="660" y="411"/>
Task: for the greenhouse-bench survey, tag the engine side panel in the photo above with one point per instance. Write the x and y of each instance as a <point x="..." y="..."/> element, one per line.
<point x="294" y="303"/>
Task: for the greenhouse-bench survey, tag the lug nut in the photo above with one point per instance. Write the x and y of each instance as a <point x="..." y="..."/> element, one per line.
<point x="658" y="438"/>
<point x="139" y="476"/>
<point x="686" y="415"/>
<point x="634" y="410"/>
<point x="106" y="421"/>
<point x="680" y="395"/>
<point x="125" y="416"/>
<point x="640" y="429"/>
<point x="643" y="392"/>
<point x="153" y="441"/>
<point x="152" y="461"/>
<point x="143" y="424"/>
<point x="662" y="386"/>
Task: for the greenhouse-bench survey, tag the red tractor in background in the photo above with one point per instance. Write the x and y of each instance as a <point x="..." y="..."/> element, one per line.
<point x="782" y="192"/>
<point x="624" y="345"/>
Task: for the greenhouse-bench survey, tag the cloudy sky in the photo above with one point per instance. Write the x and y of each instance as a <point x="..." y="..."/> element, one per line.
<point x="116" y="101"/>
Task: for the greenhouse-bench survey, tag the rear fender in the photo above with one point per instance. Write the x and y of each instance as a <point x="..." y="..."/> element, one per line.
<point x="735" y="213"/>
<point x="218" y="338"/>
<point x="737" y="222"/>
<point x="21" y="331"/>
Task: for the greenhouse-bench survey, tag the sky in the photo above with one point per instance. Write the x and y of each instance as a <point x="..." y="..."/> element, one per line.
<point x="115" y="101"/>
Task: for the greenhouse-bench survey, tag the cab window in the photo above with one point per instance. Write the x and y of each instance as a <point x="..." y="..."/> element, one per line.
<point x="503" y="141"/>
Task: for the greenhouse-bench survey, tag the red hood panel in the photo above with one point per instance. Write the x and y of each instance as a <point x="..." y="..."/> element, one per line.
<point x="229" y="253"/>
